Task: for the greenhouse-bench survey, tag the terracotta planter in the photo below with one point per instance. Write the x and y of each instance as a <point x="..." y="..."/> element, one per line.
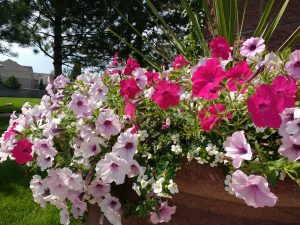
<point x="203" y="200"/>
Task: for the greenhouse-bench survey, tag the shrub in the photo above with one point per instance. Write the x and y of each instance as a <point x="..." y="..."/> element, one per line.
<point x="12" y="82"/>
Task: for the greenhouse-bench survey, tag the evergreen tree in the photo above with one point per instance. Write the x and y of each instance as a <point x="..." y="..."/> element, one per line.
<point x="12" y="82"/>
<point x="41" y="85"/>
<point x="76" y="70"/>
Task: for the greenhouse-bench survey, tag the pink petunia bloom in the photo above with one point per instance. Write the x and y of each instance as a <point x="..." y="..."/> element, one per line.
<point x="126" y="146"/>
<point x="112" y="168"/>
<point x="220" y="48"/>
<point x="252" y="46"/>
<point x="130" y="107"/>
<point x="98" y="189"/>
<point x="252" y="189"/>
<point x="293" y="65"/>
<point x="79" y="105"/>
<point x="115" y="60"/>
<point x="22" y="152"/>
<point x="108" y="124"/>
<point x="140" y="77"/>
<point x="152" y="77"/>
<point x="129" y="88"/>
<point x="61" y="81"/>
<point x="238" y="75"/>
<point x="262" y="107"/>
<point x="293" y="130"/>
<point x="91" y="147"/>
<point x="163" y="215"/>
<point x="288" y="115"/>
<point x="134" y="169"/>
<point x="44" y="146"/>
<point x="10" y="132"/>
<point x="78" y="208"/>
<point x="289" y="149"/>
<point x="237" y="148"/>
<point x="285" y="90"/>
<point x="210" y="116"/>
<point x="206" y="80"/>
<point x="111" y="206"/>
<point x="131" y="66"/>
<point x="179" y="62"/>
<point x="166" y="94"/>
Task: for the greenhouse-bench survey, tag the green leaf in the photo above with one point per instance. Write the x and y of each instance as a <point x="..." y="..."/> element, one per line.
<point x="291" y="40"/>
<point x="272" y="177"/>
<point x="263" y="19"/>
<point x="275" y="22"/>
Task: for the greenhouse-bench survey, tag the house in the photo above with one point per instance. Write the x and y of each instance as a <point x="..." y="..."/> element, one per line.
<point x="25" y="75"/>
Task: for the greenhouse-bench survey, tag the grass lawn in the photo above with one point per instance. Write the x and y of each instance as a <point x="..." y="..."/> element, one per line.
<point x="17" y="103"/>
<point x="16" y="202"/>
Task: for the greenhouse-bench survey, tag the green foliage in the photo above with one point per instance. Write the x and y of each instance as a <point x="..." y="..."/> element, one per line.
<point x="76" y="70"/>
<point x="12" y="82"/>
<point x="41" y="85"/>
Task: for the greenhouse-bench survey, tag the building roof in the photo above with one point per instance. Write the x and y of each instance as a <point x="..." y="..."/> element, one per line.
<point x="12" y="65"/>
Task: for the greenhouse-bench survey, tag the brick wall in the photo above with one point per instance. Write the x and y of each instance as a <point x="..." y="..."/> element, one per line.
<point x="289" y="22"/>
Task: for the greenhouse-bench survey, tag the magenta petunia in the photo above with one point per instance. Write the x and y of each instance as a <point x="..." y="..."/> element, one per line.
<point x="179" y="62"/>
<point x="262" y="107"/>
<point x="206" y="80"/>
<point x="252" y="189"/>
<point x="210" y="116"/>
<point x="10" y="131"/>
<point x="285" y="90"/>
<point x="220" y="48"/>
<point x="238" y="75"/>
<point x="131" y="66"/>
<point x="152" y="77"/>
<point x="293" y="65"/>
<point x="270" y="100"/>
<point x="22" y="152"/>
<point x="166" y="94"/>
<point x="130" y="107"/>
<point x="129" y="88"/>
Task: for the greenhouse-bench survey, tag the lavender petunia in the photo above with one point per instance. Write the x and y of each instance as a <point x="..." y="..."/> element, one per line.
<point x="112" y="169"/>
<point x="293" y="65"/>
<point x="252" y="189"/>
<point x="237" y="148"/>
<point x="289" y="149"/>
<point x="126" y="146"/>
<point x="79" y="105"/>
<point x="164" y="214"/>
<point x="252" y="46"/>
<point x="108" y="124"/>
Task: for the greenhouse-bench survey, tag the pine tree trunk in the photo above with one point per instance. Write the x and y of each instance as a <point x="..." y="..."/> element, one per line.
<point x="57" y="55"/>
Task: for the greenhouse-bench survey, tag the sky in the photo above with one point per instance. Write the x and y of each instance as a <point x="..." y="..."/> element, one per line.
<point x="39" y="62"/>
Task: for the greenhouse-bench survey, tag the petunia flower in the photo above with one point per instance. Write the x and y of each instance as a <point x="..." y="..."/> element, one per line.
<point x="252" y="46"/>
<point x="22" y="151"/>
<point x="179" y="62"/>
<point x="238" y="75"/>
<point x="129" y="88"/>
<point x="206" y="80"/>
<point x="289" y="149"/>
<point x="140" y="77"/>
<point x="108" y="123"/>
<point x="163" y="215"/>
<point x="152" y="77"/>
<point x="210" y="116"/>
<point x="252" y="189"/>
<point x="112" y="168"/>
<point x="131" y="66"/>
<point x="220" y="48"/>
<point x="60" y="82"/>
<point x="237" y="148"/>
<point x="126" y="145"/>
<point x="293" y="65"/>
<point x="79" y="105"/>
<point x="262" y="107"/>
<point x="166" y="94"/>
<point x="285" y="90"/>
<point x="98" y="189"/>
<point x="98" y="91"/>
<point x="111" y="206"/>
